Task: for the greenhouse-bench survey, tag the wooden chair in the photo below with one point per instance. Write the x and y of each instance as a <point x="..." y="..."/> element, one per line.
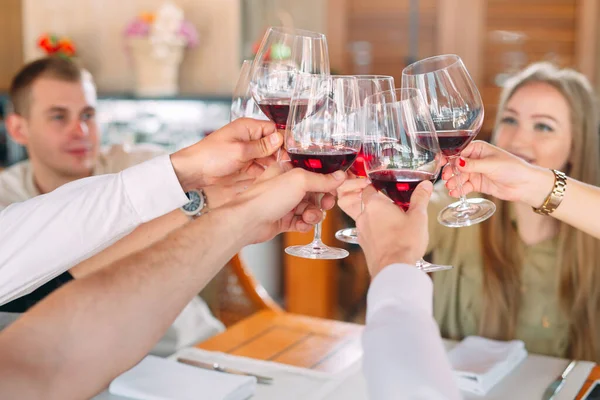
<point x="236" y="294"/>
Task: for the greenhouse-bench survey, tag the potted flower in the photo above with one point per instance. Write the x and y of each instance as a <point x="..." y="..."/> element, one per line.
<point x="157" y="41"/>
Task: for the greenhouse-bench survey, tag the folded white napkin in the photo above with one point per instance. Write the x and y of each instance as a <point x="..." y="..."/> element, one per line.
<point x="156" y="378"/>
<point x="480" y="363"/>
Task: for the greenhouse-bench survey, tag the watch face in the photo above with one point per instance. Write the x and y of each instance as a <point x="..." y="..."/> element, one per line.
<point x="196" y="202"/>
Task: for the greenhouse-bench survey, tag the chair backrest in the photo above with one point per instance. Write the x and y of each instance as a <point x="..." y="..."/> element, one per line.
<point x="237" y="294"/>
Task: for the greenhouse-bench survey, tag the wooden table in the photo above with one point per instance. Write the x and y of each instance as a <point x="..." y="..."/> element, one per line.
<point x="307" y="342"/>
<point x="314" y="343"/>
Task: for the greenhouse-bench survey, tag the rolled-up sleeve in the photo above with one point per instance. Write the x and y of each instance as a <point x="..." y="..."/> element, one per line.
<point x="47" y="235"/>
<point x="404" y="356"/>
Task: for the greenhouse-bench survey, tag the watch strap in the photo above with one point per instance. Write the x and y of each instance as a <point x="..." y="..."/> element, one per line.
<point x="556" y="195"/>
<point x="204" y="209"/>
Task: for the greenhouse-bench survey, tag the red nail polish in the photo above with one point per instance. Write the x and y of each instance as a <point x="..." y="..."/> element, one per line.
<point x="462" y="162"/>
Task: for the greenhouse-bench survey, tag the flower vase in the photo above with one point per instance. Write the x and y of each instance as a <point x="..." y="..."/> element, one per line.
<point x="156" y="67"/>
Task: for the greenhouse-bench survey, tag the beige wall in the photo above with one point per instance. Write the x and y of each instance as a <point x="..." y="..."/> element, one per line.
<point x="96" y="27"/>
<point x="302" y="14"/>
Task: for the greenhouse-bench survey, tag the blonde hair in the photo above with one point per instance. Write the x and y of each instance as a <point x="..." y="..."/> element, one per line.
<point x="578" y="261"/>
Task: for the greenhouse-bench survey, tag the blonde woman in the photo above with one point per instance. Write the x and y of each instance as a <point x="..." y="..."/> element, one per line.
<point x="520" y="274"/>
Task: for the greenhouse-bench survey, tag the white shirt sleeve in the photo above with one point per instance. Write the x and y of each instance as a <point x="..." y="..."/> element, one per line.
<point x="404" y="356"/>
<point x="47" y="235"/>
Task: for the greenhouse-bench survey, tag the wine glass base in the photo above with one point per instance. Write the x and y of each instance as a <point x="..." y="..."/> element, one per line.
<point x="317" y="251"/>
<point x="348" y="235"/>
<point x="456" y="215"/>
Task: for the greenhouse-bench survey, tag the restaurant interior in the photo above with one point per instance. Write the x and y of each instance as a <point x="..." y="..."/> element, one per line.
<point x="299" y="320"/>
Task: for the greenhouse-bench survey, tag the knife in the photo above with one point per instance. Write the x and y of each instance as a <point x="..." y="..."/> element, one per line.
<point x="265" y="380"/>
<point x="558" y="383"/>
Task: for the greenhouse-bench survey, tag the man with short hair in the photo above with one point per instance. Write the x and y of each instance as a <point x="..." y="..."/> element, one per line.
<point x="53" y="116"/>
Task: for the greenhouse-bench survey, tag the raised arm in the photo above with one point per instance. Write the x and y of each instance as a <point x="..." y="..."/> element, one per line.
<point x="491" y="170"/>
<point x="217" y="195"/>
<point x="47" y="235"/>
<point x="72" y="344"/>
<point x="404" y="356"/>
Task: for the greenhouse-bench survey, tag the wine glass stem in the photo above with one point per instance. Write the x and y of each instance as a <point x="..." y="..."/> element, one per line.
<point x="318" y="227"/>
<point x="463" y="198"/>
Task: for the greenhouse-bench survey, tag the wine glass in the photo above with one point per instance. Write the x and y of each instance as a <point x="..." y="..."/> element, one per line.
<point x="282" y="55"/>
<point x="367" y="86"/>
<point x="323" y="136"/>
<point x="243" y="104"/>
<point x="457" y="112"/>
<point x="401" y="148"/>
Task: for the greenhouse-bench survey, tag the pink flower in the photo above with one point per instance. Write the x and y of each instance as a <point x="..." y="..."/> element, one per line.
<point x="189" y="32"/>
<point x="137" y="27"/>
<point x="140" y="28"/>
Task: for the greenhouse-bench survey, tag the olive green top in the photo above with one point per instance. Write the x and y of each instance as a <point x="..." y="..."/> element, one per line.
<point x="457" y="292"/>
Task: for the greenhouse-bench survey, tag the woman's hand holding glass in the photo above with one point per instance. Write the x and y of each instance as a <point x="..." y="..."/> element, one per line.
<point x="457" y="112"/>
<point x="488" y="169"/>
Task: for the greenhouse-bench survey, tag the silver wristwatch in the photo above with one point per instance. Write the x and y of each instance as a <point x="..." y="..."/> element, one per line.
<point x="197" y="205"/>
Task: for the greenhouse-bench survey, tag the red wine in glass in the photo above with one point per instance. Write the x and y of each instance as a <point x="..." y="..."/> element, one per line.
<point x="398" y="184"/>
<point x="323" y="161"/>
<point x="366" y="152"/>
<point x="277" y="110"/>
<point x="358" y="168"/>
<point x="453" y="142"/>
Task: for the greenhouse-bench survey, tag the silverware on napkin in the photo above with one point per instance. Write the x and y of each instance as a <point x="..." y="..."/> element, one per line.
<point x="265" y="380"/>
<point x="558" y="383"/>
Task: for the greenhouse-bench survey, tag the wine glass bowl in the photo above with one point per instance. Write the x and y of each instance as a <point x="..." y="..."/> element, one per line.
<point x="400" y="143"/>
<point x="367" y="86"/>
<point x="457" y="113"/>
<point x="282" y="55"/>
<point x="272" y="87"/>
<point x="401" y="148"/>
<point x="323" y="136"/>
<point x="243" y="104"/>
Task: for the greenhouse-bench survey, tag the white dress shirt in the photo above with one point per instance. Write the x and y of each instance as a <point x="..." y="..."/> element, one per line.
<point x="404" y="357"/>
<point x="67" y="228"/>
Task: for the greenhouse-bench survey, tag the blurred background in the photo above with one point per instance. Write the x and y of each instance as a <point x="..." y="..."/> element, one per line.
<point x="495" y="38"/>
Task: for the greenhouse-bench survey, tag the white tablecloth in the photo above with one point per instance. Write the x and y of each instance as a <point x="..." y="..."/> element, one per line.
<point x="528" y="381"/>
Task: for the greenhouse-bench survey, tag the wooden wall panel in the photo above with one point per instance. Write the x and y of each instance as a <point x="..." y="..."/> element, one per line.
<point x="586" y="44"/>
<point x="336" y="29"/>
<point x="549" y="30"/>
<point x="460" y="30"/>
<point x="385" y="24"/>
<point x="11" y="45"/>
